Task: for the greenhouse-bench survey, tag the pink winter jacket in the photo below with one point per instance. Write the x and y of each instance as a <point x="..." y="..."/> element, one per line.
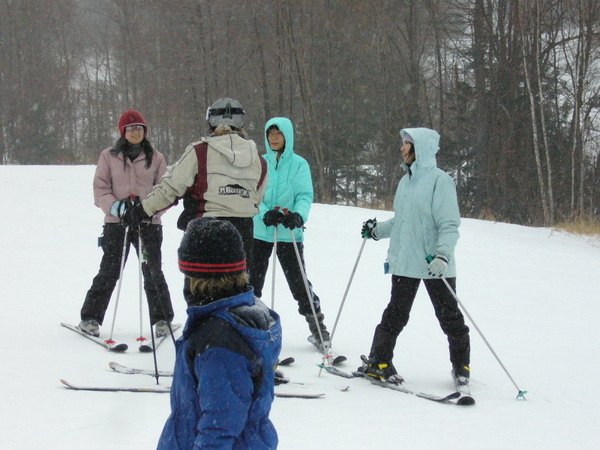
<point x="113" y="181"/>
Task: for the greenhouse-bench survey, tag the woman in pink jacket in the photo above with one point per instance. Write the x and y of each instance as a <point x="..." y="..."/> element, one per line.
<point x="125" y="171"/>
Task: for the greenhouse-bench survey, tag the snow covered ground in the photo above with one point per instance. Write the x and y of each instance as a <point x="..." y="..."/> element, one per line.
<point x="534" y="292"/>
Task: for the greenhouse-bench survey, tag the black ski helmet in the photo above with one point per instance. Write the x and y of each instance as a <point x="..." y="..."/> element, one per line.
<point x="225" y="111"/>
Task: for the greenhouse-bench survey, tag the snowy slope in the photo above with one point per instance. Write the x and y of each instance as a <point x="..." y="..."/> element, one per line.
<point x="534" y="293"/>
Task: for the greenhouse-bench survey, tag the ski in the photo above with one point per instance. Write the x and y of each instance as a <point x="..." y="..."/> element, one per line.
<point x="330" y="357"/>
<point x="288" y="395"/>
<point x="108" y="344"/>
<point x="335" y="371"/>
<point x="279" y="381"/>
<point x="165" y="390"/>
<point x="286" y="361"/>
<point x="334" y="359"/>
<point x="145" y="348"/>
<point x="159" y="390"/>
<point x="119" y="368"/>
<point x="451" y="399"/>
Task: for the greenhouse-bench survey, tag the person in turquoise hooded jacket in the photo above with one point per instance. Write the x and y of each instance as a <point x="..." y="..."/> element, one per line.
<point x="287" y="202"/>
<point x="423" y="234"/>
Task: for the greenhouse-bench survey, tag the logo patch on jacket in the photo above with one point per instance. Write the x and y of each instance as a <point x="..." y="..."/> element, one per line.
<point x="234" y="189"/>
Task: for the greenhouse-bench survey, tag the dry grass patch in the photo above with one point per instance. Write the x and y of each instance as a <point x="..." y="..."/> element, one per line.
<point x="584" y="227"/>
<point x="581" y="226"/>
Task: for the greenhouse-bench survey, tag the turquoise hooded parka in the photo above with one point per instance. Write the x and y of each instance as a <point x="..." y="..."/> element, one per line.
<point x="426" y="216"/>
<point x="289" y="186"/>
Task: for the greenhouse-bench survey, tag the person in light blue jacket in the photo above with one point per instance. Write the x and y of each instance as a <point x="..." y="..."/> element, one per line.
<point x="423" y="234"/>
<point x="284" y="209"/>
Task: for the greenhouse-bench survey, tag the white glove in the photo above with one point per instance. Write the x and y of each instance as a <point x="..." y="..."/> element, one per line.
<point x="438" y="267"/>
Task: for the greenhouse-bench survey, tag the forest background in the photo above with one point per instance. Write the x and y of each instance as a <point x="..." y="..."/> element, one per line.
<point x="512" y="86"/>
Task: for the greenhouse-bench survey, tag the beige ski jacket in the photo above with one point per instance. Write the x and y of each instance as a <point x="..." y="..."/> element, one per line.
<point x="218" y="176"/>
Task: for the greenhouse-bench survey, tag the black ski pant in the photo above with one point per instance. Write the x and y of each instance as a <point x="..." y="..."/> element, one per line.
<point x="245" y="226"/>
<point x="396" y="315"/>
<point x="157" y="292"/>
<point x="291" y="269"/>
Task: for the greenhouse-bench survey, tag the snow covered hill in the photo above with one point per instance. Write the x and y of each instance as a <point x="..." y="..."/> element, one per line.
<point x="534" y="292"/>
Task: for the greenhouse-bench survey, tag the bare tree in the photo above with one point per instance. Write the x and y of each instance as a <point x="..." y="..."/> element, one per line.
<point x="528" y="69"/>
<point x="509" y="84"/>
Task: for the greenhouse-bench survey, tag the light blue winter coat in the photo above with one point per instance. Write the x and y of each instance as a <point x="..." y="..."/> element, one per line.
<point x="426" y="218"/>
<point x="289" y="186"/>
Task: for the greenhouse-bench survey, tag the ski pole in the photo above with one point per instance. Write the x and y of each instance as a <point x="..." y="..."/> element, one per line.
<point x="112" y="328"/>
<point x="135" y="200"/>
<point x="274" y="263"/>
<point x="141" y="339"/>
<point x="308" y="293"/>
<point x="274" y="268"/>
<point x="362" y="246"/>
<point x="150" y="267"/>
<point x="141" y="260"/>
<point x="521" y="393"/>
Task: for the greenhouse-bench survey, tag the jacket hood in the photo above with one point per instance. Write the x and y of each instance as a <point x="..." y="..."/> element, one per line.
<point x="285" y="126"/>
<point x="426" y="143"/>
<point x="196" y="313"/>
<point x="239" y="151"/>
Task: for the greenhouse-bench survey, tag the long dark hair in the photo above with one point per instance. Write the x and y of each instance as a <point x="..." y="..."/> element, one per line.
<point x="122" y="146"/>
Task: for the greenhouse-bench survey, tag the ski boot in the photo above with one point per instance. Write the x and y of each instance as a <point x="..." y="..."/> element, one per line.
<point x="461" y="375"/>
<point x="91" y="327"/>
<point x="314" y="327"/>
<point x="381" y="370"/>
<point x="161" y="329"/>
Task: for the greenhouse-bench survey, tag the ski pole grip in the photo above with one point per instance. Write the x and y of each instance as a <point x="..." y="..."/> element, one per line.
<point x="429" y="258"/>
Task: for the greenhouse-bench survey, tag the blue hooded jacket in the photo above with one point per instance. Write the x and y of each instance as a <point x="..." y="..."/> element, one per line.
<point x="426" y="216"/>
<point x="289" y="186"/>
<point x="221" y="397"/>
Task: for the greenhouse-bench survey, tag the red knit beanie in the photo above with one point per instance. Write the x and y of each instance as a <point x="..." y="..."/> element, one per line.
<point x="131" y="117"/>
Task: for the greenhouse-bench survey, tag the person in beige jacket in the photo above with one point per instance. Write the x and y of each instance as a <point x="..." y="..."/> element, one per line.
<point x="220" y="176"/>
<point x="128" y="170"/>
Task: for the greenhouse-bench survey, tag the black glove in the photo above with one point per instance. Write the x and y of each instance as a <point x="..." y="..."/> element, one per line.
<point x="292" y="220"/>
<point x="368" y="228"/>
<point x="135" y="216"/>
<point x="272" y="217"/>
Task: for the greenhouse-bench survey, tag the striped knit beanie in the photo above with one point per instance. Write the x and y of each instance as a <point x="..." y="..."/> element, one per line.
<point x="211" y="248"/>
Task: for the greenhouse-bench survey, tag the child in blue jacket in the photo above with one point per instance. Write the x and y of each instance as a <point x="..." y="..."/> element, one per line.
<point x="223" y="383"/>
